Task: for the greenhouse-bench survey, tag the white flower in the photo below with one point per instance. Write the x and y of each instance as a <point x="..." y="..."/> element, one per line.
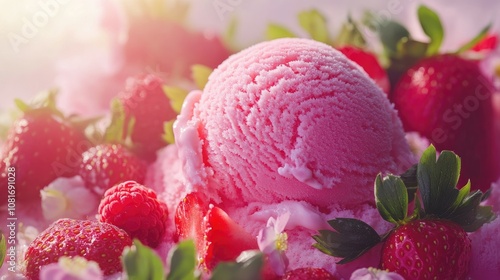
<point x="272" y="242"/>
<point x="374" y="274"/>
<point x="68" y="198"/>
<point x="76" y="268"/>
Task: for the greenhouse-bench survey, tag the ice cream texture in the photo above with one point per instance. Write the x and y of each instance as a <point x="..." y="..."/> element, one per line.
<point x="289" y="119"/>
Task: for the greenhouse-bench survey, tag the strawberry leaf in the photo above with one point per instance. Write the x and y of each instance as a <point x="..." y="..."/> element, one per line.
<point x="276" y="31"/>
<point x="183" y="262"/>
<point x="176" y="96"/>
<point x="115" y="131"/>
<point x="141" y="262"/>
<point x="467" y="46"/>
<point x="351" y="239"/>
<point x="200" y="74"/>
<point x="437" y="181"/>
<point x="391" y="198"/>
<point x="389" y="32"/>
<point x="168" y="132"/>
<point x="3" y="248"/>
<point x="409" y="178"/>
<point x="431" y="24"/>
<point x="248" y="266"/>
<point x="314" y="23"/>
<point x="350" y="35"/>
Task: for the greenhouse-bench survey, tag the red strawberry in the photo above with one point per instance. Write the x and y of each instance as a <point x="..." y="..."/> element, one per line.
<point x="428" y="249"/>
<point x="448" y="100"/>
<point x="225" y="239"/>
<point x="146" y="102"/>
<point x="41" y="146"/>
<point x="99" y="242"/>
<point x="308" y="273"/>
<point x="106" y="165"/>
<point x="432" y="242"/>
<point x="189" y="216"/>
<point x="135" y="209"/>
<point x="369" y="62"/>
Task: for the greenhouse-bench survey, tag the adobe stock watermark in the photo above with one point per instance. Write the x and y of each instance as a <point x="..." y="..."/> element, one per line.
<point x="222" y="7"/>
<point x="455" y="116"/>
<point x="31" y="25"/>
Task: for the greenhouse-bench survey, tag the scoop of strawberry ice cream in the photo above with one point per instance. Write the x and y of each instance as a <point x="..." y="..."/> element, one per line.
<point x="289" y="119"/>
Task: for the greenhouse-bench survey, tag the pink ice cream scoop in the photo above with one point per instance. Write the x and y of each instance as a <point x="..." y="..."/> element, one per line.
<point x="289" y="119"/>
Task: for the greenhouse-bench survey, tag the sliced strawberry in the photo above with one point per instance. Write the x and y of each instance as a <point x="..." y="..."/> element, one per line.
<point x="189" y="216"/>
<point x="308" y="273"/>
<point x="225" y="239"/>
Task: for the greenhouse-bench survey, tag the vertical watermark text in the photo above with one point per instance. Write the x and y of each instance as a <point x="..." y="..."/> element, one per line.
<point x="11" y="221"/>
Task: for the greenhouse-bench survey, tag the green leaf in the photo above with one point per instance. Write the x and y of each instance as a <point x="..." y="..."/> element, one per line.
<point x="183" y="262"/>
<point x="391" y="198"/>
<point x="431" y="24"/>
<point x="115" y="131"/>
<point x="470" y="215"/>
<point x="351" y="239"/>
<point x="248" y="266"/>
<point x="315" y="24"/>
<point x="141" y="262"/>
<point x="437" y="181"/>
<point x="176" y="96"/>
<point x="200" y="74"/>
<point x="168" y="132"/>
<point x="410" y="50"/>
<point x="21" y="105"/>
<point x="350" y="34"/>
<point x="276" y="31"/>
<point x="389" y="32"/>
<point x="409" y="178"/>
<point x="229" y="36"/>
<point x="467" y="46"/>
<point x="3" y="248"/>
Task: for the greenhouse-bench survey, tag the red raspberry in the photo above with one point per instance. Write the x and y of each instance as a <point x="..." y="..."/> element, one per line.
<point x="135" y="209"/>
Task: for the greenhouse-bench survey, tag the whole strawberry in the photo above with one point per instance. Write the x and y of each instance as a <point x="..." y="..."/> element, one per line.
<point x="425" y="249"/>
<point x="106" y="165"/>
<point x="368" y="61"/>
<point x="40" y="147"/>
<point x="95" y="241"/>
<point x="135" y="209"/>
<point x="448" y="100"/>
<point x="145" y="101"/>
<point x="432" y="243"/>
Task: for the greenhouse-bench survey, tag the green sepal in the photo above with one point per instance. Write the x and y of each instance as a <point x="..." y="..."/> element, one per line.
<point x="3" y="248"/>
<point x="314" y="23"/>
<point x="200" y="74"/>
<point x="433" y="28"/>
<point x="389" y="32"/>
<point x="350" y="34"/>
<point x="168" y="132"/>
<point x="141" y="262"/>
<point x="43" y="101"/>
<point x="409" y="178"/>
<point x="248" y="266"/>
<point x="229" y="36"/>
<point x="470" y="215"/>
<point x="183" y="262"/>
<point x="351" y="239"/>
<point x="391" y="198"/>
<point x="411" y="50"/>
<point x="467" y="46"/>
<point x="276" y="31"/>
<point x="176" y="95"/>
<point x="437" y="181"/>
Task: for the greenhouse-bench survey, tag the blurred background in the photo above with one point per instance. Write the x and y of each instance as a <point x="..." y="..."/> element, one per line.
<point x="81" y="46"/>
